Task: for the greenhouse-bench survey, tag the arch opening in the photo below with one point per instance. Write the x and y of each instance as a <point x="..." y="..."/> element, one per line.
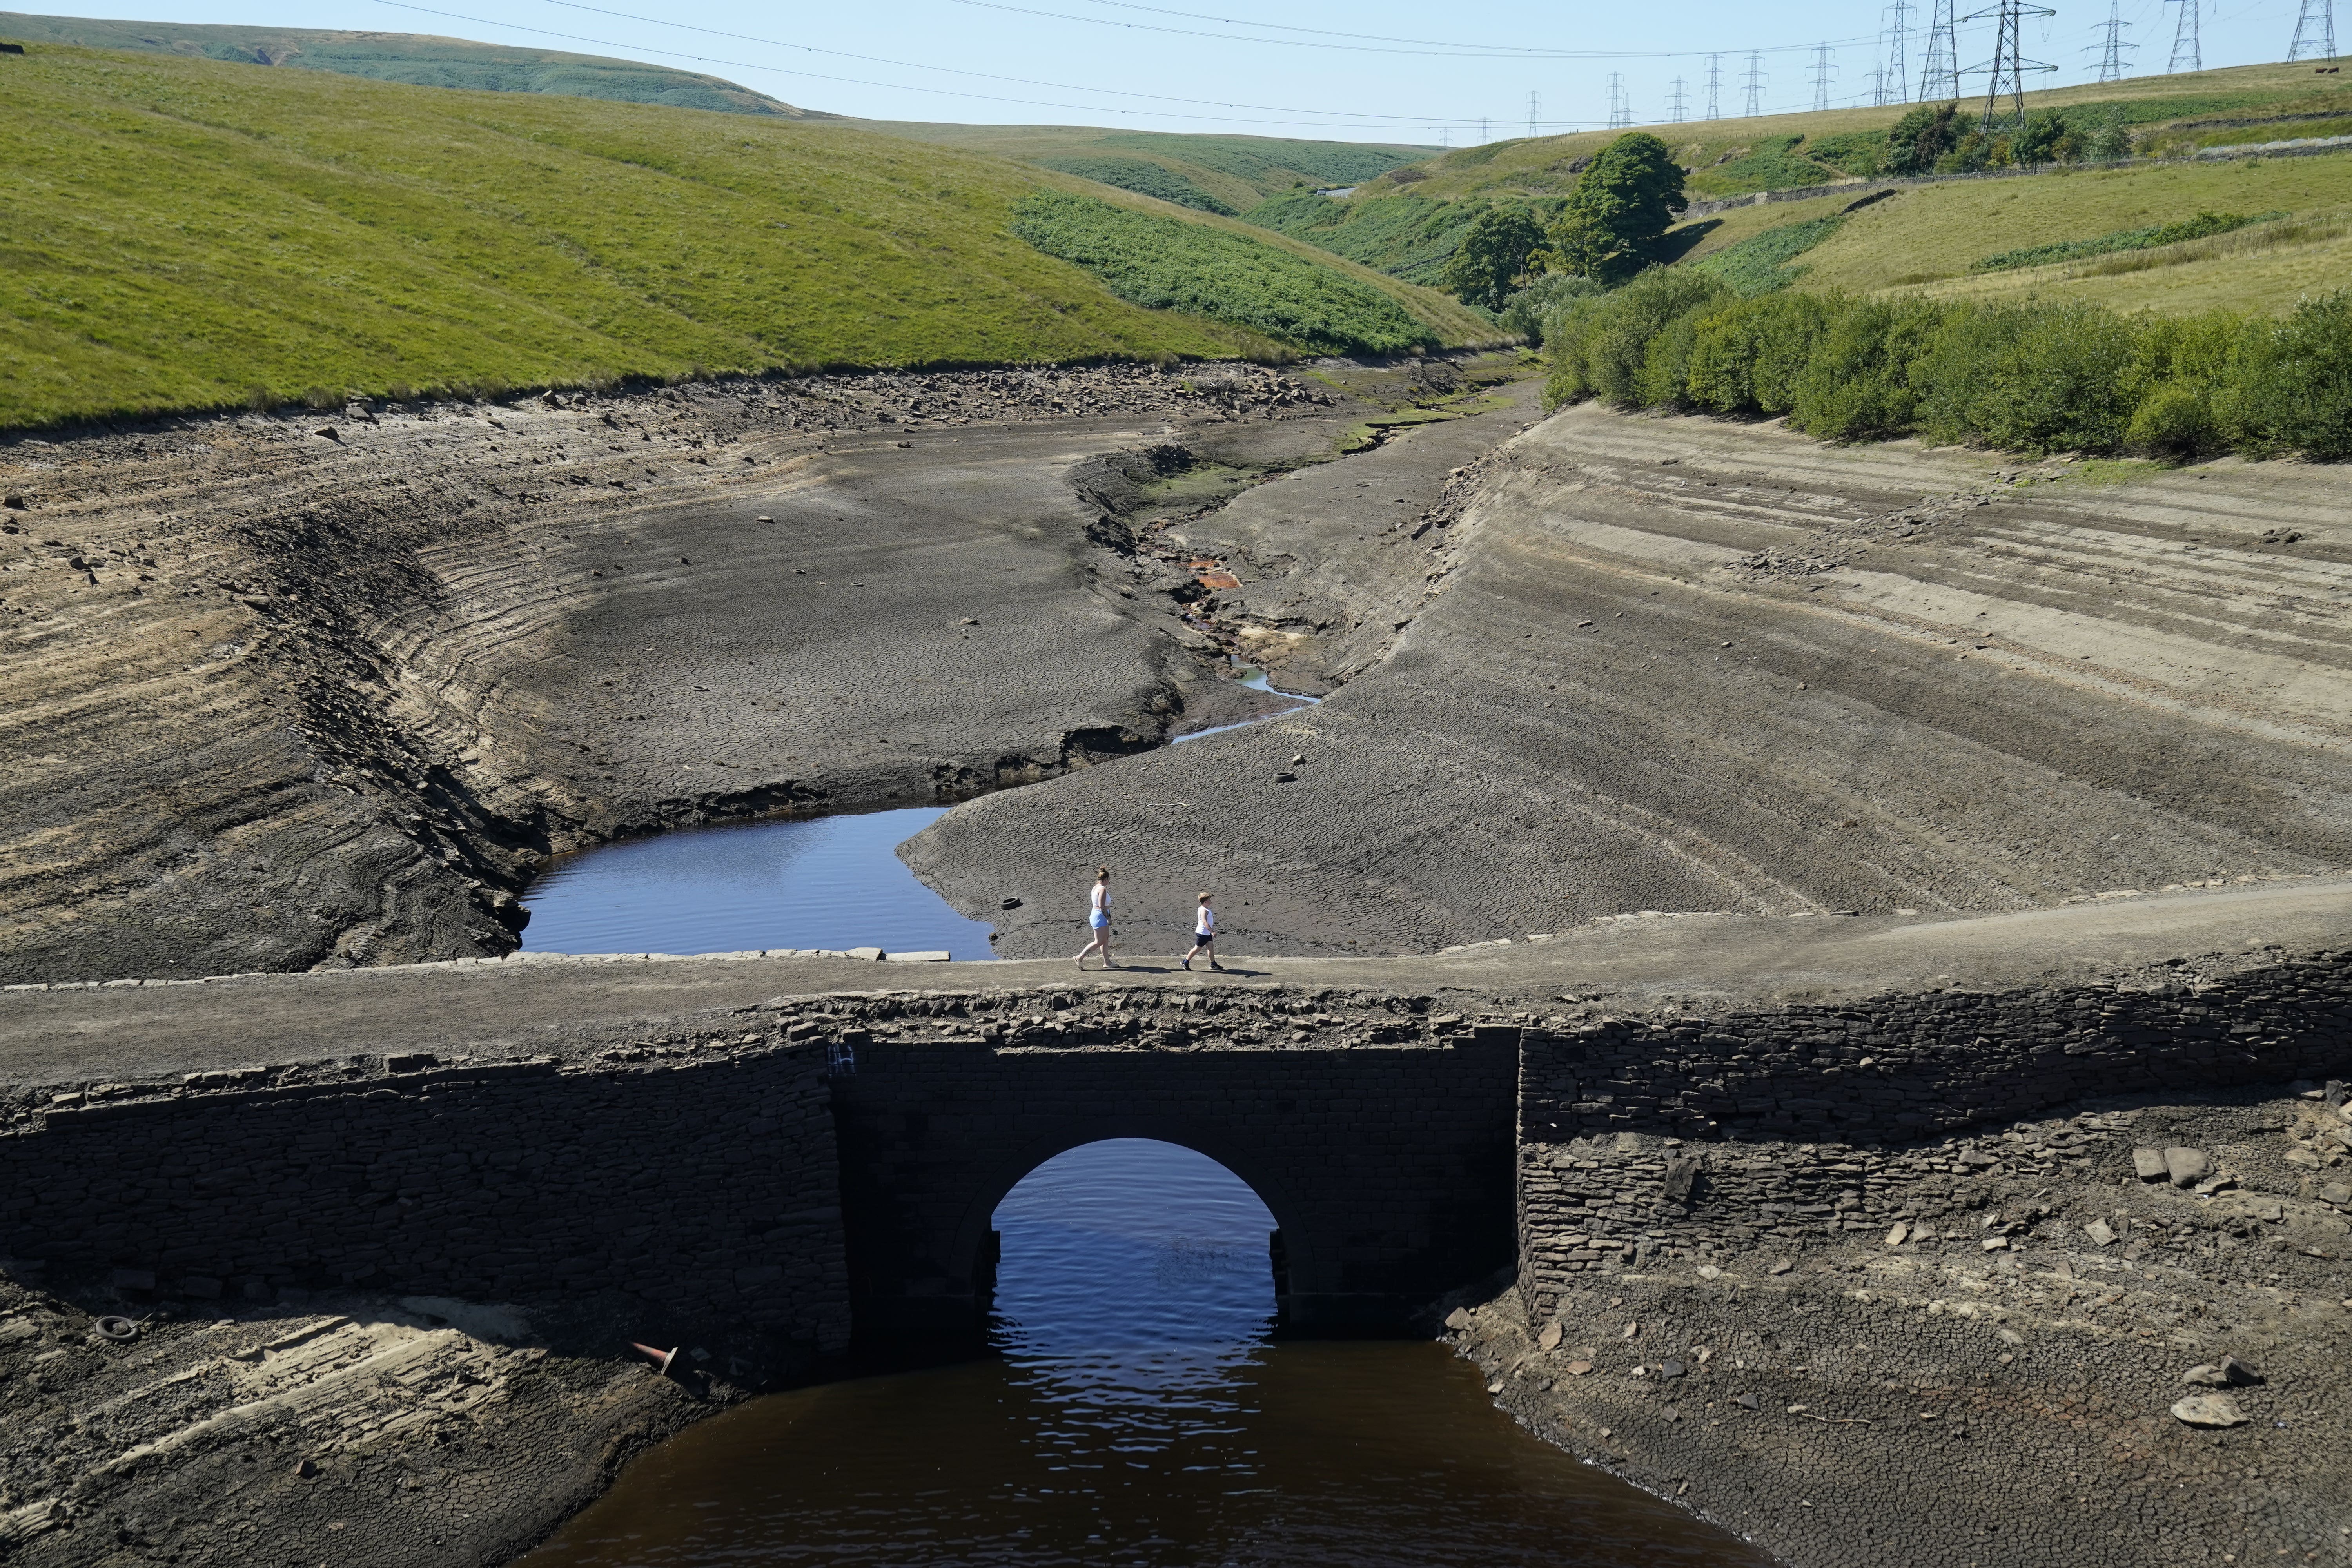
<point x="1131" y="1261"/>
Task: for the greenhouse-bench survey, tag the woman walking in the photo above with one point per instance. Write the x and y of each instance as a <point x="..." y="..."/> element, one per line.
<point x="1099" y="919"/>
<point x="1204" y="935"/>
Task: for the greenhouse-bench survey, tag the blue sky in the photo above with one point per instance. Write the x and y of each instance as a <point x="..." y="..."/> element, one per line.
<point x="1368" y="72"/>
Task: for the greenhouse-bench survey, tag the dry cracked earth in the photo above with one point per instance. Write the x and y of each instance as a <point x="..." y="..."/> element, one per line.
<point x="292" y="691"/>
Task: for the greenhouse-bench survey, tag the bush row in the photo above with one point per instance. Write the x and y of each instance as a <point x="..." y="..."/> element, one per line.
<point x="2035" y="377"/>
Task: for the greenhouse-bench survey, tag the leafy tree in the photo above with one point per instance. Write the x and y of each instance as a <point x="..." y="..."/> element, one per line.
<point x="1620" y="210"/>
<point x="1920" y="138"/>
<point x="1493" y="255"/>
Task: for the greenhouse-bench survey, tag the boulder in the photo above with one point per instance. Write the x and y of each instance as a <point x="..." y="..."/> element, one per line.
<point x="2210" y="1410"/>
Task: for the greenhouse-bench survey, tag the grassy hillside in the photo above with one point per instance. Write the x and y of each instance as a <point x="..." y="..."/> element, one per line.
<point x="412" y="58"/>
<point x="184" y="231"/>
<point x="1408" y="221"/>
<point x="1214" y="173"/>
<point x="1932" y="238"/>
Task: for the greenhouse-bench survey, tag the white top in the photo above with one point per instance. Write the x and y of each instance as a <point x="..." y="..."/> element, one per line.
<point x="1205" y="922"/>
<point x="1102" y="897"/>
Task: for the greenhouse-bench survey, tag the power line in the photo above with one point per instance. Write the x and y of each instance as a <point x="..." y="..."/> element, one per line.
<point x="1940" y="75"/>
<point x="2314" y="32"/>
<point x="2185" y="44"/>
<point x="1755" y="83"/>
<point x="2009" y="64"/>
<point x="1897" y="86"/>
<point x="2111" y="48"/>
<point x="1333" y="118"/>
<point x="1432" y="47"/>
<point x="1715" y="87"/>
<point x="1822" y="72"/>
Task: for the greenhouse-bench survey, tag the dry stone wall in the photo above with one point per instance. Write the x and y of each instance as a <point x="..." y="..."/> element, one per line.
<point x="711" y="1194"/>
<point x="1687" y="1136"/>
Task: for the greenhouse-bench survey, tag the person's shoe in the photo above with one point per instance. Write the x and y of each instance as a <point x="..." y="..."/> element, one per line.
<point x="1080" y="961"/>
<point x="1185" y="962"/>
<point x="1218" y="967"/>
<point x="1108" y="965"/>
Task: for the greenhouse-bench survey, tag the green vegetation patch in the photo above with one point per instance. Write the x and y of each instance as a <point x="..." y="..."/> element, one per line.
<point x="2204" y="225"/>
<point x="1142" y="176"/>
<point x="188" y="234"/>
<point x="420" y="60"/>
<point x="2036" y="377"/>
<point x="1405" y="236"/>
<point x="1263" y="160"/>
<point x="1772" y="164"/>
<point x="1761" y="263"/>
<point x="1165" y="264"/>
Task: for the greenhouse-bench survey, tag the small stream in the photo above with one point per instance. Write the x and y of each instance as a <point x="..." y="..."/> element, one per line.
<point x="1137" y="1410"/>
<point x="822" y="882"/>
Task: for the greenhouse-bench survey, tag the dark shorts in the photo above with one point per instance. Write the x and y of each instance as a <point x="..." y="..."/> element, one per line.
<point x="1200" y="941"/>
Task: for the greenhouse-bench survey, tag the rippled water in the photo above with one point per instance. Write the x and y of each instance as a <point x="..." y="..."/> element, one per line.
<point x="1138" y="1414"/>
<point x="823" y="882"/>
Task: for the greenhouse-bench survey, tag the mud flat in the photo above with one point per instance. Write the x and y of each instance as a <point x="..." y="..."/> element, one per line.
<point x="293" y="690"/>
<point x="1637" y="663"/>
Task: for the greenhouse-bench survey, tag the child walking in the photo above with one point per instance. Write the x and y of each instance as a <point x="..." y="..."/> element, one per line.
<point x="1098" y="920"/>
<point x="1204" y="935"/>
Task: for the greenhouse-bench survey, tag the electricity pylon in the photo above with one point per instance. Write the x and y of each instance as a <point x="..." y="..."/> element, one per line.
<point x="1939" y="74"/>
<point x="2112" y="46"/>
<point x="1715" y="87"/>
<point x="1896" y="89"/>
<point x="1531" y="114"/>
<point x="1620" y="110"/>
<point x="2009" y="63"/>
<point x="2188" y="54"/>
<point x="1677" y="102"/>
<point x="1823" y="70"/>
<point x="2314" y="32"/>
<point x="1755" y="85"/>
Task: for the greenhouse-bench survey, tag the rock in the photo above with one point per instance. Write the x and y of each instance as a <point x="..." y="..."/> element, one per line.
<point x="1780" y="1268"/>
<point x="1578" y="1368"/>
<point x="1549" y="1338"/>
<point x="1798" y="1409"/>
<point x="2227" y="1373"/>
<point x="2101" y="1233"/>
<point x="1671" y="1368"/>
<point x="2210" y="1410"/>
<point x="2187" y="1167"/>
<point x="306" y="1469"/>
<point x="1994" y="1243"/>
<point x="1709" y="1271"/>
<point x="1285" y="778"/>
<point x="1458" y="1319"/>
<point x="2304" y="1159"/>
<point x="1745" y="1401"/>
<point x="2149" y="1165"/>
<point x="1630" y="1331"/>
<point x="871" y="954"/>
<point x="1899" y="1235"/>
<point x="2009" y="1336"/>
<point x="1495" y="1386"/>
<point x="2335" y="1192"/>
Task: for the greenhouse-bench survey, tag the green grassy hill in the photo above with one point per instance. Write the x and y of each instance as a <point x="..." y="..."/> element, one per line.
<point x="1408" y="221"/>
<point x="1211" y="173"/>
<point x="183" y="232"/>
<point x="412" y="58"/>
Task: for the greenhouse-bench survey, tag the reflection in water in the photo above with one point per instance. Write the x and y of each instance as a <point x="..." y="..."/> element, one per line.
<point x="1139" y="1416"/>
<point x="823" y="882"/>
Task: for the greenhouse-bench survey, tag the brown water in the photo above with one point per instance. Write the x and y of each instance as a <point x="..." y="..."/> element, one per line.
<point x="1138" y="1412"/>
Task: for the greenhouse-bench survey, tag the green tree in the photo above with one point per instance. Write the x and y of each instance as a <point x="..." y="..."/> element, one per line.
<point x="1619" y="209"/>
<point x="1921" y="137"/>
<point x="1492" y="254"/>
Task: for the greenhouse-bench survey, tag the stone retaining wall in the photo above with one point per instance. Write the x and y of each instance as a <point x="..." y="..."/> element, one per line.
<point x="711" y="1194"/>
<point x="1686" y="1135"/>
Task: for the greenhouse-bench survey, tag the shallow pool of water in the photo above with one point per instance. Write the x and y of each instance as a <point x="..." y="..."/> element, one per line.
<point x="1137" y="1412"/>
<point x="817" y="882"/>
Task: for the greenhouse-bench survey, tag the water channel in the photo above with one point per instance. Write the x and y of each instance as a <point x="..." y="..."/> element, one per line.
<point x="1137" y="1411"/>
<point x="824" y="882"/>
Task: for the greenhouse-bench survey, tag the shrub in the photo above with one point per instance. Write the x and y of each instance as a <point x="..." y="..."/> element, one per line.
<point x="1620" y="342"/>
<point x="2182" y="363"/>
<point x="1568" y="332"/>
<point x="2032" y="378"/>
<point x="1760" y="264"/>
<point x="1748" y="358"/>
<point x="1859" y="385"/>
<point x="1524" y="312"/>
<point x="2290" y="381"/>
